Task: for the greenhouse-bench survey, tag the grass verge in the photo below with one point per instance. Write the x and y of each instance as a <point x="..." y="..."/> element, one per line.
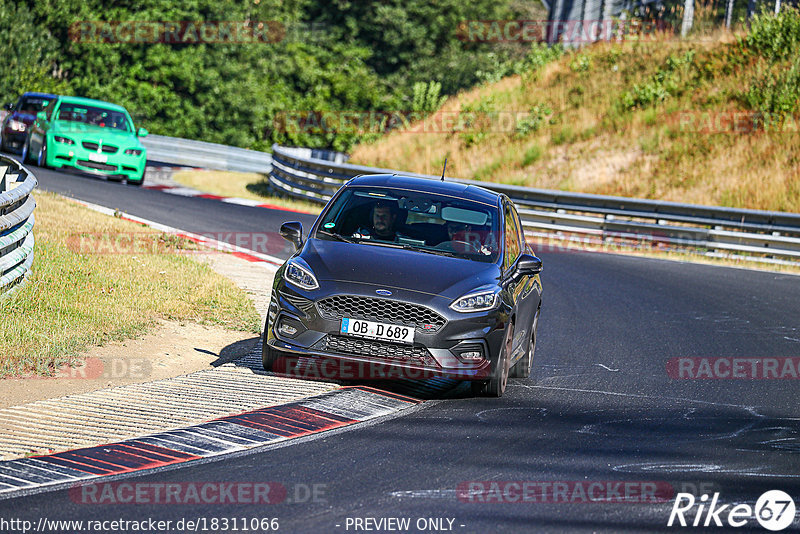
<point x="248" y="185"/>
<point x="81" y="296"/>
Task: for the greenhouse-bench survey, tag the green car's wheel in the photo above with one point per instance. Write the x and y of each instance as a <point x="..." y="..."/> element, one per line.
<point x="41" y="159"/>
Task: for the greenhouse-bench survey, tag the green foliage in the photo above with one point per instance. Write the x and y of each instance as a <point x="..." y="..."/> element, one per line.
<point x="563" y="136"/>
<point x="670" y="79"/>
<point x="532" y="155"/>
<point x="28" y="54"/>
<point x="476" y="121"/>
<point x="533" y="120"/>
<point x="354" y="57"/>
<point x="427" y="98"/>
<point x="775" y="95"/>
<point x="581" y="63"/>
<point x="774" y="37"/>
<point x="774" y="91"/>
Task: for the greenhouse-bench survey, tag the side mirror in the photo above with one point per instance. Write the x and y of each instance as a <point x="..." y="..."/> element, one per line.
<point x="142" y="132"/>
<point x="42" y="116"/>
<point x="293" y="231"/>
<point x="8" y="107"/>
<point x="529" y="265"/>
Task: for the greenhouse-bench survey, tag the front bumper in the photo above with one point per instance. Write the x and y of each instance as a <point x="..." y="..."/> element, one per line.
<point x="118" y="165"/>
<point x="432" y="354"/>
<point x="13" y="139"/>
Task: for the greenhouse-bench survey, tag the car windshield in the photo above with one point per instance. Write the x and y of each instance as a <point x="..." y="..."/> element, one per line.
<point x="425" y="222"/>
<point x="96" y="116"/>
<point x="32" y="105"/>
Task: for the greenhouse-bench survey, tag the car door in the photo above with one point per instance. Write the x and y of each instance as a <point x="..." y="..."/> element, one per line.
<point x="514" y="285"/>
<point x="38" y="129"/>
<point x="531" y="288"/>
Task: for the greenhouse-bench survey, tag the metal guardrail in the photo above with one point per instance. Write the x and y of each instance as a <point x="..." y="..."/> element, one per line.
<point x="187" y="152"/>
<point x="16" y="224"/>
<point x="545" y="213"/>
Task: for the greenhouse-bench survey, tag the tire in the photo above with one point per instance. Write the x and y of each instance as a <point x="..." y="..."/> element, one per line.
<point x="26" y="150"/>
<point x="522" y="369"/>
<point x="41" y="159"/>
<point x="269" y="355"/>
<point x="496" y="386"/>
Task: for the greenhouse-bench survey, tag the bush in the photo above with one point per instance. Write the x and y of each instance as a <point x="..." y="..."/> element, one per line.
<point x="775" y="37"/>
<point x="537" y="115"/>
<point x="427" y="98"/>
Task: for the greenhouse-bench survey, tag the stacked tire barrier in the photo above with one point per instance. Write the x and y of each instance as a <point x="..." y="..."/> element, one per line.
<point x="16" y="224"/>
<point x="546" y="214"/>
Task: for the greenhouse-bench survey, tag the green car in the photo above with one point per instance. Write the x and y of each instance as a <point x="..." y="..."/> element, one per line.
<point x="89" y="135"/>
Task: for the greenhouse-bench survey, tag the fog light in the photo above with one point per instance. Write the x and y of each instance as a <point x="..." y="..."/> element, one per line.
<point x="286" y="329"/>
<point x="472" y="355"/>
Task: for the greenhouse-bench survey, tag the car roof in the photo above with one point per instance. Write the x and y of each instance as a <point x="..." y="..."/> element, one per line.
<point x="45" y="95"/>
<point x="428" y="185"/>
<point x="91" y="102"/>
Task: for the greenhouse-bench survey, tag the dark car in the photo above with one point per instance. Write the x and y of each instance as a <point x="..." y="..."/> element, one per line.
<point x="20" y="116"/>
<point x="432" y="278"/>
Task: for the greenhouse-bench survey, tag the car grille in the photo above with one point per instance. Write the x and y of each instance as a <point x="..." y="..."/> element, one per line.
<point x="302" y="303"/>
<point x="376" y="349"/>
<point x="96" y="165"/>
<point x="109" y="149"/>
<point x="423" y="319"/>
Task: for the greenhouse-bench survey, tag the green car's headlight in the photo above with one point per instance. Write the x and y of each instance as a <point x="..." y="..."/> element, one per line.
<point x="133" y="152"/>
<point x="65" y="140"/>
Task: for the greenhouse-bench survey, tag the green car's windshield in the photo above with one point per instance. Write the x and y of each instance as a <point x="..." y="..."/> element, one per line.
<point x="33" y="104"/>
<point x="105" y="118"/>
<point x="426" y="222"/>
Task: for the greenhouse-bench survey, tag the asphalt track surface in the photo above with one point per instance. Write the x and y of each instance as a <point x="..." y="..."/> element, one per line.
<point x="599" y="407"/>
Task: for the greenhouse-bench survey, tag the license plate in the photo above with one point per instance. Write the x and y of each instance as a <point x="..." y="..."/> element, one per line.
<point x="382" y="331"/>
<point x="99" y="158"/>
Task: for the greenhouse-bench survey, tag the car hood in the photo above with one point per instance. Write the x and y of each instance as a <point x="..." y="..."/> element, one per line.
<point x="387" y="267"/>
<point x="90" y="131"/>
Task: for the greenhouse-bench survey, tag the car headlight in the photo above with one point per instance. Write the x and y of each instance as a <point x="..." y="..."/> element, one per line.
<point x="133" y="151"/>
<point x="65" y="140"/>
<point x="299" y="274"/>
<point x="479" y="300"/>
<point x="17" y="126"/>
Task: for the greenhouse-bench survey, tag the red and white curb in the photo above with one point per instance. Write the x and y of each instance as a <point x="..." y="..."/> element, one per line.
<point x="214" y="244"/>
<point x="230" y="434"/>
<point x="189" y="192"/>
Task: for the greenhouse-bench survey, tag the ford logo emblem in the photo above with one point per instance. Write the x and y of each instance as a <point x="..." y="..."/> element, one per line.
<point x="384" y="292"/>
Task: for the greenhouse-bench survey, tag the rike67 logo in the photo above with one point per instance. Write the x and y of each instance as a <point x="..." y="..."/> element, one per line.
<point x="774" y="511"/>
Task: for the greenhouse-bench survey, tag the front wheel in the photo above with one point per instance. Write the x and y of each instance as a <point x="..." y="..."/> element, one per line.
<point x="496" y="386"/>
<point x="270" y="355"/>
<point x="522" y="369"/>
<point x="41" y="160"/>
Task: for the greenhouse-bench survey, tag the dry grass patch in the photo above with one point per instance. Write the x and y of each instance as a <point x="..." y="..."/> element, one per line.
<point x="77" y="297"/>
